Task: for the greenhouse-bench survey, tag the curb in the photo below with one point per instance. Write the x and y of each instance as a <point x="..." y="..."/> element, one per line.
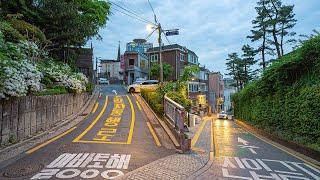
<point x="173" y="139"/>
<point x="281" y="144"/>
<point x="13" y="151"/>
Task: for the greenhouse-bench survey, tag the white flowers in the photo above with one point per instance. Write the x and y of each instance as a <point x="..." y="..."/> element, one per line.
<point x="20" y="75"/>
<point x="20" y="78"/>
<point x="64" y="75"/>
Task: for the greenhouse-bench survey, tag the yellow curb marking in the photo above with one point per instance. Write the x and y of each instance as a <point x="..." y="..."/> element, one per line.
<point x="196" y="136"/>
<point x="51" y="140"/>
<point x="77" y="139"/>
<point x="132" y="121"/>
<point x="95" y="107"/>
<point x="138" y="105"/>
<point x="155" y="138"/>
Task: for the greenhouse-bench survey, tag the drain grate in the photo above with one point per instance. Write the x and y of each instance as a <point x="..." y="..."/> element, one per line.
<point x="23" y="169"/>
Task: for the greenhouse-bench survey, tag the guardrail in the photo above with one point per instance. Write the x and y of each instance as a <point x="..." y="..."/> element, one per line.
<point x="176" y="115"/>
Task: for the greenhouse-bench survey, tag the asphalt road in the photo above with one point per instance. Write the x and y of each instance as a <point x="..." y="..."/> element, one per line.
<point x="113" y="140"/>
<point x="239" y="154"/>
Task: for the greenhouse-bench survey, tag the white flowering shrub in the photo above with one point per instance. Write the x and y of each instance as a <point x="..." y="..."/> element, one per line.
<point x="21" y="77"/>
<point x="18" y="76"/>
<point x="63" y="74"/>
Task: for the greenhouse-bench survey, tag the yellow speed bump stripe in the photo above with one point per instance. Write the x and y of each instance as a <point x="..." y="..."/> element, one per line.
<point x="95" y="107"/>
<point x="132" y="121"/>
<point x="48" y="142"/>
<point x="77" y="139"/>
<point x="155" y="138"/>
<point x="196" y="136"/>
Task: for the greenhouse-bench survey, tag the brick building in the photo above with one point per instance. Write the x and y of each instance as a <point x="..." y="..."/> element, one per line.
<point x="216" y="91"/>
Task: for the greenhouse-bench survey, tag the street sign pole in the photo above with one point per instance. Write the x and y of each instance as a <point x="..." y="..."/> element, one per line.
<point x="160" y="53"/>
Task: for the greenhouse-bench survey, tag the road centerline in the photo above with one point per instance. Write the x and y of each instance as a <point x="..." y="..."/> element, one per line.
<point x="77" y="139"/>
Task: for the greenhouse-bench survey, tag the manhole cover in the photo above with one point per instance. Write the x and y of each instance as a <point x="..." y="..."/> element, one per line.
<point x="21" y="170"/>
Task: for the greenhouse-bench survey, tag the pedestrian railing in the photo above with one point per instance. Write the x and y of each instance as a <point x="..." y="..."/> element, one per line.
<point x="175" y="113"/>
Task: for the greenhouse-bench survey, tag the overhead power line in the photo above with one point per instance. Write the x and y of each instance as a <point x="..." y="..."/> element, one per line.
<point x="130" y="15"/>
<point x="129" y="12"/>
<point x="154" y="14"/>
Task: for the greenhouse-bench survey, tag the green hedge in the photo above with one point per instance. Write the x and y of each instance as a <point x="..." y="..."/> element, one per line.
<point x="154" y="99"/>
<point x="286" y="100"/>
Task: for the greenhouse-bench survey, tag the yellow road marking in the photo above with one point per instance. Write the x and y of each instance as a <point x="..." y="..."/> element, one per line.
<point x="138" y="105"/>
<point x="102" y="142"/>
<point x="132" y="121"/>
<point x="155" y="138"/>
<point x="95" y="107"/>
<point x="196" y="136"/>
<point x="77" y="139"/>
<point x="48" y="142"/>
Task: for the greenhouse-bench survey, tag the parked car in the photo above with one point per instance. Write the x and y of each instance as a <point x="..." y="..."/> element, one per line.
<point x="148" y="85"/>
<point x="222" y="115"/>
<point x="103" y="81"/>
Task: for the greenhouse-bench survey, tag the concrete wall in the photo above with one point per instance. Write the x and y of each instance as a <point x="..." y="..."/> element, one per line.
<point x="24" y="117"/>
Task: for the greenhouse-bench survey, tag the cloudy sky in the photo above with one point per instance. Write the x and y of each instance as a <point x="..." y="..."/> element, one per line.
<point x="211" y="28"/>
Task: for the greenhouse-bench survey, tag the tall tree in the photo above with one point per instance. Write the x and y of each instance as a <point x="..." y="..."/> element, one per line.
<point x="272" y="9"/>
<point x="286" y="22"/>
<point x="64" y="22"/>
<point x="236" y="70"/>
<point x="247" y="61"/>
<point x="259" y="32"/>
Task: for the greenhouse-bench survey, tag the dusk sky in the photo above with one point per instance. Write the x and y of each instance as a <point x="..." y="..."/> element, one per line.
<point x="211" y="28"/>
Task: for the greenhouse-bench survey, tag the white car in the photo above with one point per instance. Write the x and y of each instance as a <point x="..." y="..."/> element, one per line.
<point x="103" y="81"/>
<point x="148" y="85"/>
<point x="222" y="115"/>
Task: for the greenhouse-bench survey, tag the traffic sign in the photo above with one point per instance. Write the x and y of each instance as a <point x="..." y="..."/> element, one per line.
<point x="172" y="32"/>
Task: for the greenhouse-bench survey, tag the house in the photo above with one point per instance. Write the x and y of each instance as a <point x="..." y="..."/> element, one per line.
<point x="136" y="62"/>
<point x="229" y="90"/>
<point x="111" y="69"/>
<point x="179" y="57"/>
<point x="175" y="55"/>
<point x="216" y="91"/>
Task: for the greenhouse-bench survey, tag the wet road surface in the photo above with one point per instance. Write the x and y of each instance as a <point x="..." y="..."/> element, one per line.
<point x="113" y="140"/>
<point x="238" y="154"/>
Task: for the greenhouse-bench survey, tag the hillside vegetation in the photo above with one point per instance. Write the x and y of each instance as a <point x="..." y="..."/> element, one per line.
<point x="286" y="100"/>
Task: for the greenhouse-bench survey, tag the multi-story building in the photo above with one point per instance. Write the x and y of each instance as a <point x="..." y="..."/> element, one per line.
<point x="198" y="87"/>
<point x="216" y="87"/>
<point x="136" y="62"/>
<point x="111" y="69"/>
<point x="229" y="90"/>
<point x="175" y="55"/>
<point x="138" y="45"/>
<point x="179" y="57"/>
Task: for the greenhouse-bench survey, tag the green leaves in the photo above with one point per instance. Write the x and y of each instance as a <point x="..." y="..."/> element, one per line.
<point x="155" y="71"/>
<point x="286" y="100"/>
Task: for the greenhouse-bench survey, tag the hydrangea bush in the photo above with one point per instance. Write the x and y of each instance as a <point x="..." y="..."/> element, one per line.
<point x="20" y="75"/>
<point x="63" y="74"/>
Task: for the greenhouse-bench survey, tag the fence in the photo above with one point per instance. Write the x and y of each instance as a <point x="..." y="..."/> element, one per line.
<point x="175" y="113"/>
<point x="26" y="116"/>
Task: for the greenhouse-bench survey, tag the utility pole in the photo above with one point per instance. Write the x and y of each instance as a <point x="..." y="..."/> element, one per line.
<point x="160" y="54"/>
<point x="97" y="58"/>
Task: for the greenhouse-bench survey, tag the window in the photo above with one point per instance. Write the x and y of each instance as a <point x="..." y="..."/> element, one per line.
<point x="181" y="57"/>
<point x="154" y="58"/>
<point x="131" y="62"/>
<point x="181" y="72"/>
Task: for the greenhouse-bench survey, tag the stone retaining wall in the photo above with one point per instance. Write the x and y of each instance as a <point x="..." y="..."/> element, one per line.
<point x="26" y="116"/>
